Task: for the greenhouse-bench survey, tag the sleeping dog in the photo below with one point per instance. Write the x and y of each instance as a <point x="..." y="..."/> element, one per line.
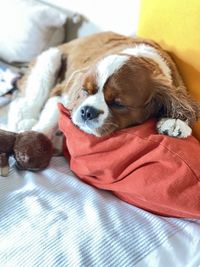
<point x="108" y="82"/>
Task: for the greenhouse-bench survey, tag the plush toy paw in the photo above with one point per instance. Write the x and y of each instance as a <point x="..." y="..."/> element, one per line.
<point x="4" y="167"/>
<point x="174" y="127"/>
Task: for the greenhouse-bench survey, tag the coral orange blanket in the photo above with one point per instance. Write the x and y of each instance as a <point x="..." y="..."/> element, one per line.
<point x="154" y="172"/>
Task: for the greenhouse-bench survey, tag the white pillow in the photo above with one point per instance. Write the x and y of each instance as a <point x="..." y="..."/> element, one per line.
<point x="28" y="27"/>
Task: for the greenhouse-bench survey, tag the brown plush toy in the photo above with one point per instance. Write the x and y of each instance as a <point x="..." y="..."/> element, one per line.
<point x="31" y="150"/>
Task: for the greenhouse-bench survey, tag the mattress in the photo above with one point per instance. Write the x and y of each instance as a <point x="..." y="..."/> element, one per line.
<point x="51" y="218"/>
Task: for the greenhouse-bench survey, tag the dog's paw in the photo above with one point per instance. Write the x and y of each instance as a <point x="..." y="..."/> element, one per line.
<point x="174" y="127"/>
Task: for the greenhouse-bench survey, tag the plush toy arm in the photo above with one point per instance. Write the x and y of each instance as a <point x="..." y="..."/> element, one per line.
<point x="4" y="166"/>
<point x="7" y="140"/>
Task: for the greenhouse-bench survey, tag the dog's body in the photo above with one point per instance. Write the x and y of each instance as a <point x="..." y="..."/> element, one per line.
<point x="109" y="82"/>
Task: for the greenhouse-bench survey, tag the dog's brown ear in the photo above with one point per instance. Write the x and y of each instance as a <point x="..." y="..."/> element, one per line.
<point x="174" y="102"/>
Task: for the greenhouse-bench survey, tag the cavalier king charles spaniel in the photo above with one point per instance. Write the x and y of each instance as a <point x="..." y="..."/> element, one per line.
<point x="108" y="82"/>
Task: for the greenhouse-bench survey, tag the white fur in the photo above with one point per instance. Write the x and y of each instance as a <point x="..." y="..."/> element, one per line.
<point x="22" y="115"/>
<point x="174" y="128"/>
<point x="42" y="76"/>
<point x="143" y="50"/>
<point x="24" y="111"/>
<point x="49" y="117"/>
<point x="107" y="67"/>
<point x="65" y="99"/>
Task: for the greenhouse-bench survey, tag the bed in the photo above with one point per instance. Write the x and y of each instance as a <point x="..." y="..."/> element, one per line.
<point x="51" y="218"/>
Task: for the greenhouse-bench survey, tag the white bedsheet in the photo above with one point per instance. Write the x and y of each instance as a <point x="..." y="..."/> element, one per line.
<point x="52" y="219"/>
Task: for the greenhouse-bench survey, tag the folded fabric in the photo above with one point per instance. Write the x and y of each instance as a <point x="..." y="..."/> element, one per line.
<point x="155" y="172"/>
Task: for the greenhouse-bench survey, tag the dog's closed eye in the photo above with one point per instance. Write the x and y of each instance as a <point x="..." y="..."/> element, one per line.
<point x="117" y="105"/>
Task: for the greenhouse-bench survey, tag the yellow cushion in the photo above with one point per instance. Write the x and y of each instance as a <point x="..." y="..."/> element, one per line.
<point x="175" y="25"/>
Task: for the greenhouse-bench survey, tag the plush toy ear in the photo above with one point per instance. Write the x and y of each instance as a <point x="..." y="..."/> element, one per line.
<point x="175" y="102"/>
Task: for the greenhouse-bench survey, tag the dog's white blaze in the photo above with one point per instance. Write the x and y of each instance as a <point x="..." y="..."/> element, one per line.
<point x="107" y="67"/>
<point x="97" y="101"/>
<point x="143" y="50"/>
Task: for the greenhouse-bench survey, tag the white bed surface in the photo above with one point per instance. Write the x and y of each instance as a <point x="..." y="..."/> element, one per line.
<point x="51" y="218"/>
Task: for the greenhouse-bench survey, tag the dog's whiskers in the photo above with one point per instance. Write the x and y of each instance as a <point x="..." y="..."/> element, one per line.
<point x="111" y="123"/>
<point x="108" y="128"/>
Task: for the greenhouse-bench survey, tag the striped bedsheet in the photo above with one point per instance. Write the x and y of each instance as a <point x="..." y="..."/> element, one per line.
<point x="52" y="219"/>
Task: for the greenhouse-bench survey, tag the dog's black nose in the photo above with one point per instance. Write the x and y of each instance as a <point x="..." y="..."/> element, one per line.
<point x="89" y="113"/>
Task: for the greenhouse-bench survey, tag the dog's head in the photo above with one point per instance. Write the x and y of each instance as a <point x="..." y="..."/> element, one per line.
<point x="119" y="91"/>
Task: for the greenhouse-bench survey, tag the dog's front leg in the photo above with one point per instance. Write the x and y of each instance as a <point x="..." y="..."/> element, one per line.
<point x="24" y="111"/>
<point x="48" y="124"/>
<point x="48" y="119"/>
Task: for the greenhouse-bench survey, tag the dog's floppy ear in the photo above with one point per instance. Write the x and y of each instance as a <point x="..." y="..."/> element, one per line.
<point x="174" y="102"/>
